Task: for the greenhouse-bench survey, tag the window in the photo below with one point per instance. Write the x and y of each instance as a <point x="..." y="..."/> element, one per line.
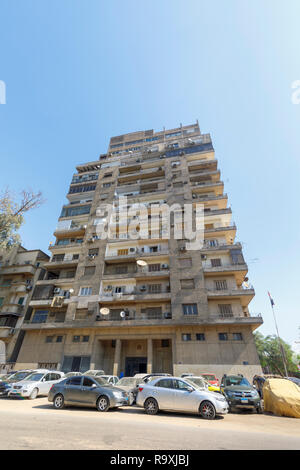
<point x="180" y="385"/>
<point x="21" y="300"/>
<point x="1" y="301"/>
<point x="88" y="382"/>
<point x="165" y="343"/>
<point x="237" y="336"/>
<point x="40" y="316"/>
<point x="215" y="262"/>
<point x="154" y="267"/>
<point x="85" y="291"/>
<point x="223" y="337"/>
<point x="94" y="252"/>
<point x="59" y="339"/>
<point x="49" y="339"/>
<point x="187" y="283"/>
<point x="221" y="285"/>
<point x="123" y="252"/>
<point x="73" y="211"/>
<point x="154" y="288"/>
<point x="165" y="383"/>
<point x="225" y="310"/>
<point x="76" y="380"/>
<point x="107" y="175"/>
<point x="76" y="339"/>
<point x="85" y="339"/>
<point x="89" y="271"/>
<point x="190" y="309"/>
<point x="106" y="185"/>
<point x="200" y="337"/>
<point x="186" y="337"/>
<point x="185" y="262"/>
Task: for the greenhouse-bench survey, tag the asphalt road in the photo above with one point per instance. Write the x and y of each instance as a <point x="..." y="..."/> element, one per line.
<point x="34" y="424"/>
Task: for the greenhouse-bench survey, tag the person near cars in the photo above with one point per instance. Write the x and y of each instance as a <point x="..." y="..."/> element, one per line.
<point x="89" y="391"/>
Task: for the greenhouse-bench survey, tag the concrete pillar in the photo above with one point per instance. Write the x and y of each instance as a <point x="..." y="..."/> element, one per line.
<point x="149" y="355"/>
<point x="174" y="358"/>
<point x="117" y="358"/>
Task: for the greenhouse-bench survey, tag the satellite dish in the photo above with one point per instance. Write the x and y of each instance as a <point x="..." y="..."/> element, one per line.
<point x="122" y="314"/>
<point x="141" y="262"/>
<point x="71" y="291"/>
<point x="104" y="310"/>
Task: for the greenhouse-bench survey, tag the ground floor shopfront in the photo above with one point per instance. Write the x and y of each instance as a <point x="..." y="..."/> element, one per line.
<point x="127" y="351"/>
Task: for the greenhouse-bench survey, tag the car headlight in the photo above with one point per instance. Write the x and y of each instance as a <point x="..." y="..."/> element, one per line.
<point x="119" y="394"/>
<point x="220" y="398"/>
<point x="255" y="394"/>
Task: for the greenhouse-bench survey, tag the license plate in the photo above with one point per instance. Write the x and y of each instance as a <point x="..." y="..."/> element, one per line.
<point x="244" y="400"/>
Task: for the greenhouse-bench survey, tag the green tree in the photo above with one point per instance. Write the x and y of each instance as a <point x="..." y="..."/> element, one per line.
<point x="270" y="356"/>
<point x="12" y="215"/>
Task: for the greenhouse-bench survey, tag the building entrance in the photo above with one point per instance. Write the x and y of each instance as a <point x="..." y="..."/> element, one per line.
<point x="135" y="365"/>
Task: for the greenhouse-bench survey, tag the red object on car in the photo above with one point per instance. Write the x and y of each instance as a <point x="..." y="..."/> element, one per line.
<point x="211" y="378"/>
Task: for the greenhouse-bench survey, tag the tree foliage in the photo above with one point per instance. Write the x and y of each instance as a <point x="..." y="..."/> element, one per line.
<point x="270" y="356"/>
<point x="12" y="215"/>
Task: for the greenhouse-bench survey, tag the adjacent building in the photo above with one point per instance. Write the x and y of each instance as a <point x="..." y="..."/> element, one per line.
<point x="19" y="271"/>
<point x="144" y="305"/>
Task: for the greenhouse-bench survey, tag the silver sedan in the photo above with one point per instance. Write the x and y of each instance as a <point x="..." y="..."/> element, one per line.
<point x="176" y="394"/>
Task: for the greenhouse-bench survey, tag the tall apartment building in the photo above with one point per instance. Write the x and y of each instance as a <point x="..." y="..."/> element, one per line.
<point x="19" y="270"/>
<point x="144" y="305"/>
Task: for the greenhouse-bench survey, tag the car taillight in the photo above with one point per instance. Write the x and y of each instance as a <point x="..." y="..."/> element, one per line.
<point x="141" y="388"/>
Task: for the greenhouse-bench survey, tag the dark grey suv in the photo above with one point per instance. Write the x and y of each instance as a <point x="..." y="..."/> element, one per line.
<point x="87" y="391"/>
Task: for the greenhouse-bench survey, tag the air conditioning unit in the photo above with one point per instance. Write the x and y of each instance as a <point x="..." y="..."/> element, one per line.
<point x="108" y="288"/>
<point x="168" y="315"/>
<point x="91" y="257"/>
<point x="56" y="290"/>
<point x="143" y="288"/>
<point x="132" y="250"/>
<point x="203" y="256"/>
<point x="164" y="266"/>
<point x="91" y="240"/>
<point x="194" y="196"/>
<point x="182" y="248"/>
<point x="181" y="153"/>
<point x="57" y="301"/>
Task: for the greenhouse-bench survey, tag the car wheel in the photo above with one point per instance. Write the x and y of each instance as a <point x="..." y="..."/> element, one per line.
<point x="33" y="394"/>
<point x="102" y="403"/>
<point x="58" y="401"/>
<point x="207" y="410"/>
<point x="151" y="406"/>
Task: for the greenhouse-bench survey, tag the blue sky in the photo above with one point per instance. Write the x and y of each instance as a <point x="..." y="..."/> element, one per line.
<point x="78" y="72"/>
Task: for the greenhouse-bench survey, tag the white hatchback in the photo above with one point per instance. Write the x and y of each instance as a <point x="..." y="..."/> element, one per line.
<point x="36" y="384"/>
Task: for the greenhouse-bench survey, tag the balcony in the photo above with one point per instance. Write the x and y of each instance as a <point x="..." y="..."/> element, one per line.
<point x="72" y="230"/>
<point x="28" y="269"/>
<point x="135" y="295"/>
<point x="12" y="309"/>
<point x="141" y="174"/>
<point x="65" y="263"/>
<point x="6" y="332"/>
<point x="246" y="295"/>
<point x="133" y="254"/>
<point x="202" y="166"/>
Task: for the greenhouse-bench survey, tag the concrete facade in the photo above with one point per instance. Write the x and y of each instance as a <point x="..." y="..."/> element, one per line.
<point x="183" y="310"/>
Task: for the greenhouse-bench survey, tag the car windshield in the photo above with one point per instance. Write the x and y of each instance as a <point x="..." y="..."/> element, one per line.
<point x="196" y="382"/>
<point x="100" y="380"/>
<point x="230" y="381"/>
<point x="19" y="376"/>
<point x="34" y="377"/>
<point x="209" y="377"/>
<point x="127" y="381"/>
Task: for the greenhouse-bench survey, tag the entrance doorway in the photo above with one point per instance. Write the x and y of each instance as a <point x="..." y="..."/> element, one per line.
<point x="135" y="365"/>
<point x="76" y="363"/>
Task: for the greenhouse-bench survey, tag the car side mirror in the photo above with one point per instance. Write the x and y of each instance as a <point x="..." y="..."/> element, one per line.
<point x="190" y="389"/>
<point x="94" y="385"/>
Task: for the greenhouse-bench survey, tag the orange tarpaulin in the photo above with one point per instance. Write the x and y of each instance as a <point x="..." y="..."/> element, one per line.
<point x="282" y="397"/>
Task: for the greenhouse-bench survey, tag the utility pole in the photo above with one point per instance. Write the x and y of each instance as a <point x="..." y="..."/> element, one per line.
<point x="279" y="340"/>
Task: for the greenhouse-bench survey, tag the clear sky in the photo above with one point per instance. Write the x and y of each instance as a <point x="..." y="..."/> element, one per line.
<point x="78" y="72"/>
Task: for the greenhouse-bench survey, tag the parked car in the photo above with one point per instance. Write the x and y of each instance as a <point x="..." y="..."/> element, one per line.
<point x="202" y="383"/>
<point x="177" y="394"/>
<point x="71" y="374"/>
<point x="211" y="378"/>
<point x="94" y="373"/>
<point x="147" y="377"/>
<point x="187" y="374"/>
<point x="5" y="386"/>
<point x="36" y="384"/>
<point x="111" y="379"/>
<point x="129" y="385"/>
<point x="294" y="379"/>
<point x="88" y="391"/>
<point x="6" y="375"/>
<point x="240" y="393"/>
